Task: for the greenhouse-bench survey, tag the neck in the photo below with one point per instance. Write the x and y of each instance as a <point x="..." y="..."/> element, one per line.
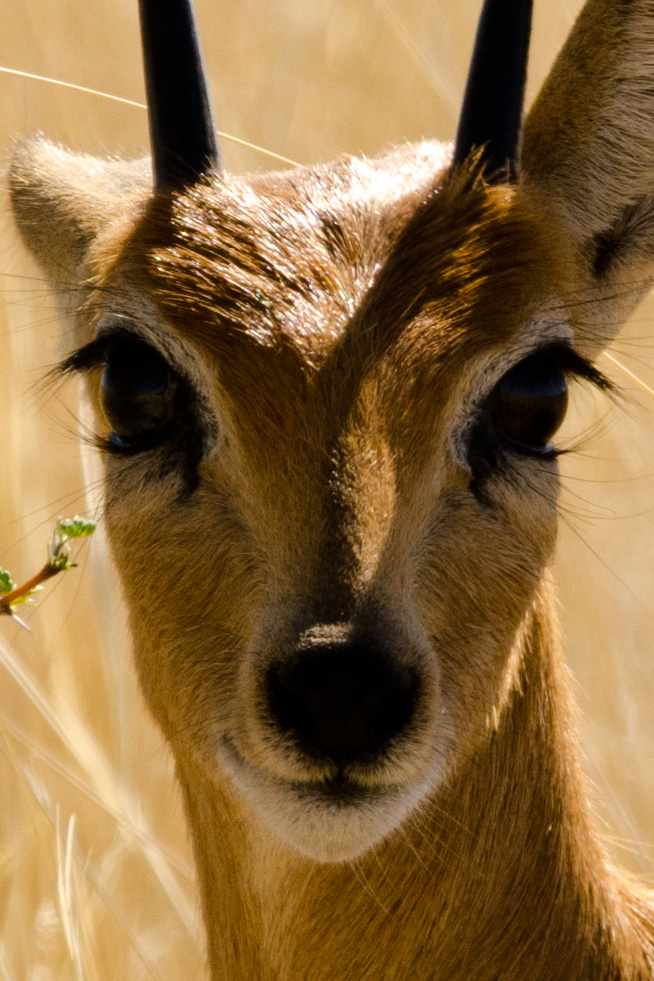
<point x="501" y="874"/>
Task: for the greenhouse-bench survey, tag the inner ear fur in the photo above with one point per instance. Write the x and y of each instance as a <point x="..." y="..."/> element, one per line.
<point x="68" y="206"/>
<point x="589" y="156"/>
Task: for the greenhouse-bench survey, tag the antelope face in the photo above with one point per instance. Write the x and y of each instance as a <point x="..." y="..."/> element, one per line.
<point x="326" y="401"/>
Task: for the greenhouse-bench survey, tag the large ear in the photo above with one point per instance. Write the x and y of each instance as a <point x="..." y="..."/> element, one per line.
<point x="68" y="205"/>
<point x="589" y="155"/>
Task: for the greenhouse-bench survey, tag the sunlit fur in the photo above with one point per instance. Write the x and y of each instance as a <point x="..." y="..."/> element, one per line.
<point x="341" y="327"/>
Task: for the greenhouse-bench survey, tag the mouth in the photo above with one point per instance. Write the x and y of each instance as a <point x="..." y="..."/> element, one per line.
<point x="329" y="820"/>
<point x="338" y="792"/>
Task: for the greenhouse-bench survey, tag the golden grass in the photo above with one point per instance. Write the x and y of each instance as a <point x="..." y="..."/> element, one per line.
<point x="96" y="879"/>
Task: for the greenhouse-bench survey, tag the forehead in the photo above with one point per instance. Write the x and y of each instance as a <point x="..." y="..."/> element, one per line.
<point x="391" y="257"/>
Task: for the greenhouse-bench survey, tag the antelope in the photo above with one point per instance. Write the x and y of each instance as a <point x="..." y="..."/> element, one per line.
<point x="327" y="400"/>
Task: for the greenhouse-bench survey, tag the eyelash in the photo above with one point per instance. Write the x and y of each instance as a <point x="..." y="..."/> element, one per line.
<point x="95" y="353"/>
<point x="575" y="366"/>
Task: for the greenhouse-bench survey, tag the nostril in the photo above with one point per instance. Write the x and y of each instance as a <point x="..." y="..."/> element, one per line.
<point x="394" y="708"/>
<point x="344" y="702"/>
<point x="288" y="706"/>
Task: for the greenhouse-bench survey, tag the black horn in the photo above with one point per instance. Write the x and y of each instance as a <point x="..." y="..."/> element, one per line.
<point x="492" y="107"/>
<point x="182" y="134"/>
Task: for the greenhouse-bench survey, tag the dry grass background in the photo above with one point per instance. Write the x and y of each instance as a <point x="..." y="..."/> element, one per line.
<point x="96" y="879"/>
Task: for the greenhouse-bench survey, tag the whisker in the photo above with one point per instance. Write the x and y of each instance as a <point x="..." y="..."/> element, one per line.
<point x="612" y="572"/>
<point x="360" y="876"/>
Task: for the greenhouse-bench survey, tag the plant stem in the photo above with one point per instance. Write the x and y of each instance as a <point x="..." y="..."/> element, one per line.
<point x="47" y="572"/>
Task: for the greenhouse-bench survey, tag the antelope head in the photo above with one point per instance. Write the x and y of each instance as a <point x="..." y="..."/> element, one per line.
<point x="328" y="400"/>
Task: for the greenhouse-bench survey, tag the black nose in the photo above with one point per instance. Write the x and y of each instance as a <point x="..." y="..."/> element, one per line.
<point x="342" y="702"/>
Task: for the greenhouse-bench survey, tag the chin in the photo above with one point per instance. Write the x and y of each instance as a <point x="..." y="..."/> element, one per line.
<point x="329" y="821"/>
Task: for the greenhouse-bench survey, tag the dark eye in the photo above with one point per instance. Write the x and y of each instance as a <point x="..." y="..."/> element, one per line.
<point x="529" y="403"/>
<point x="138" y="396"/>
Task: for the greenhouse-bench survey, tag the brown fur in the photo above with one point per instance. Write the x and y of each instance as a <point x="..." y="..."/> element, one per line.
<point x="341" y="325"/>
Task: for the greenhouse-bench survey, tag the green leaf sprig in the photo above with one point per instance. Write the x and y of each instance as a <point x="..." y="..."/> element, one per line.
<point x="66" y="530"/>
